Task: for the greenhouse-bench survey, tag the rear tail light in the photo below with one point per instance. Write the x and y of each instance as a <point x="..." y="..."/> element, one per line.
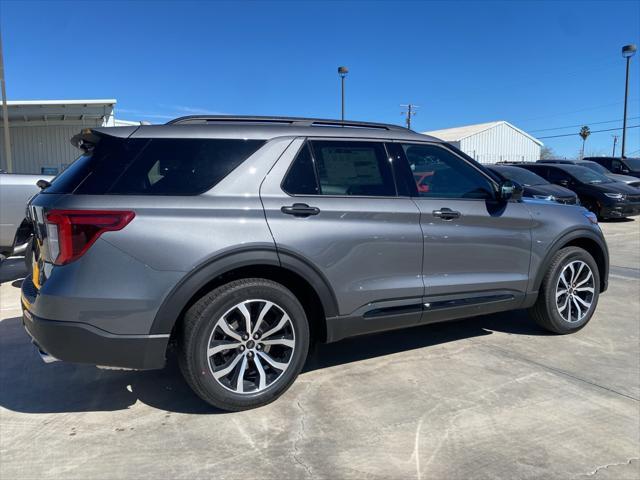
<point x="70" y="233"/>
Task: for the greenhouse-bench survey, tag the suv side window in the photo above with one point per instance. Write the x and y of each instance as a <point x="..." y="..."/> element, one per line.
<point x="352" y="168"/>
<point x="340" y="168"/>
<point x="301" y="178"/>
<point x="158" y="166"/>
<point x="616" y="166"/>
<point x="439" y="173"/>
<point x="558" y="176"/>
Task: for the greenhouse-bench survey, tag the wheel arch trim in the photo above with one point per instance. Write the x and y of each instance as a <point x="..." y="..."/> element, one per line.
<point x="175" y="302"/>
<point x="567" y="239"/>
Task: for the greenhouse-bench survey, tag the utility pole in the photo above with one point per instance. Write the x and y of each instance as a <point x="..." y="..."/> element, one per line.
<point x="411" y="111"/>
<point x="615" y="140"/>
<point x="5" y="113"/>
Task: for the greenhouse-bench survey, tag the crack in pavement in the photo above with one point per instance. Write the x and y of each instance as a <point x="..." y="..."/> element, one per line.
<point x="301" y="433"/>
<point x="604" y="467"/>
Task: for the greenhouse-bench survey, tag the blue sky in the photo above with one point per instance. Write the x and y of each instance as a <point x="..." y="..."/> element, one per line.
<point x="539" y="65"/>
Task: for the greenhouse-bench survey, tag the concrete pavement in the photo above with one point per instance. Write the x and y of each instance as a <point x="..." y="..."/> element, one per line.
<point x="490" y="397"/>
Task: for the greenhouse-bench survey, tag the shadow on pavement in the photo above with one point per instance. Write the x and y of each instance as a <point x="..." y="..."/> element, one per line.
<point x="617" y="220"/>
<point x="386" y="343"/>
<point x="28" y="385"/>
<point x="12" y="269"/>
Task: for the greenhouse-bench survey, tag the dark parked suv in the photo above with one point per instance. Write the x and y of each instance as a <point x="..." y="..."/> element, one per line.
<point x="605" y="197"/>
<point x="624" y="166"/>
<point x="241" y="240"/>
<point x="534" y="186"/>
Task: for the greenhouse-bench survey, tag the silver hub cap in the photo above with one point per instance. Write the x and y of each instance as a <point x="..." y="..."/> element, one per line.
<point x="575" y="291"/>
<point x="251" y="346"/>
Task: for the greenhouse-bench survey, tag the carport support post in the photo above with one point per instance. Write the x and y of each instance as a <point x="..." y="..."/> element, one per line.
<point x="5" y="114"/>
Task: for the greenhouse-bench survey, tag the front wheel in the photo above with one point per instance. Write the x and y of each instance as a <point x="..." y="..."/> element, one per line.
<point x="569" y="292"/>
<point x="243" y="344"/>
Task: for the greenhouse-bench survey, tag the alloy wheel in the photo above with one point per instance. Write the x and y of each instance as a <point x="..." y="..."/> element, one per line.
<point x="575" y="291"/>
<point x="251" y="346"/>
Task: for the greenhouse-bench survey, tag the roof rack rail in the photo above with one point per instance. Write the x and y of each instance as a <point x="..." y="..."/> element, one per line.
<point x="294" y="121"/>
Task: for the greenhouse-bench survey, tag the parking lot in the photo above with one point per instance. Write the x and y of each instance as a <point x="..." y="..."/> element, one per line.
<point x="487" y="397"/>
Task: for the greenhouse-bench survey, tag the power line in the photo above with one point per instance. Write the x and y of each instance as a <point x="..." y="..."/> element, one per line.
<point x="592" y="131"/>
<point x="595" y="107"/>
<point x="580" y="125"/>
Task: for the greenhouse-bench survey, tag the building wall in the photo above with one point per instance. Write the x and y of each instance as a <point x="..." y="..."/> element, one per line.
<point x="500" y="144"/>
<point x="37" y="145"/>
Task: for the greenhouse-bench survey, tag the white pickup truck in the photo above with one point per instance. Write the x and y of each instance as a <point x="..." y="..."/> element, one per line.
<point x="15" y="192"/>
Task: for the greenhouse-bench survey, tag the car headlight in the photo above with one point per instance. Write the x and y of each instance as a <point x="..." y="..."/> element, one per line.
<point x="551" y="198"/>
<point x="616" y="196"/>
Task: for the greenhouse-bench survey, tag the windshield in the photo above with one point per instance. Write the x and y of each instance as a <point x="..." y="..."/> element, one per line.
<point x="596" y="167"/>
<point x="632" y="163"/>
<point x="585" y="175"/>
<point x="520" y="175"/>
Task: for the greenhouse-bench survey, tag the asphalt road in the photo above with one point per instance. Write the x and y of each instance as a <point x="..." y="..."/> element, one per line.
<point x="490" y="397"/>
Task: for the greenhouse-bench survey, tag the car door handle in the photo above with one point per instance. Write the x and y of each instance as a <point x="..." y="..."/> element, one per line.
<point x="300" y="210"/>
<point x="446" y="214"/>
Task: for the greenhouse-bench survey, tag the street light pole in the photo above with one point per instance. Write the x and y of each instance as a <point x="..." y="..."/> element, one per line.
<point x="628" y="51"/>
<point x="342" y="71"/>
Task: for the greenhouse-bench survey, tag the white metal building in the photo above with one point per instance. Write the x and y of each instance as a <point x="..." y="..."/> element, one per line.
<point x="40" y="131"/>
<point x="492" y="142"/>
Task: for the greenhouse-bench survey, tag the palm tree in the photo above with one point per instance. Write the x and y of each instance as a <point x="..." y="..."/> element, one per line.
<point x="584" y="134"/>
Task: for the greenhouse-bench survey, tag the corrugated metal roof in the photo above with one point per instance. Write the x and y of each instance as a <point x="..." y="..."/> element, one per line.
<point x="456" y="134"/>
<point x="60" y="110"/>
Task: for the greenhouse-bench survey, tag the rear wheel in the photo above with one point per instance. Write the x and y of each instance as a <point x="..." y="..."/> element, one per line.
<point x="569" y="292"/>
<point x="243" y="344"/>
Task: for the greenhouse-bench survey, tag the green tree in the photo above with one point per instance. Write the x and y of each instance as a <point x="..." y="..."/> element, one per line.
<point x="584" y="134"/>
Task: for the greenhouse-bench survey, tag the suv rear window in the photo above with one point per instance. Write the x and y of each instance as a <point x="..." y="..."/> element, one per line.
<point x="159" y="166"/>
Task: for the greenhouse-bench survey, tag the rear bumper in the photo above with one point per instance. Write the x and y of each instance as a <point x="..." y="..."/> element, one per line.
<point x="83" y="343"/>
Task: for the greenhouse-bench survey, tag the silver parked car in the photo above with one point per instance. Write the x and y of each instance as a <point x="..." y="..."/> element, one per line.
<point x="15" y="192"/>
<point x="240" y="240"/>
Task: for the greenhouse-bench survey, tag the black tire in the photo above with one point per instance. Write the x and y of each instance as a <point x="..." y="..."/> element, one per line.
<point x="591" y="205"/>
<point x="197" y="327"/>
<point x="545" y="311"/>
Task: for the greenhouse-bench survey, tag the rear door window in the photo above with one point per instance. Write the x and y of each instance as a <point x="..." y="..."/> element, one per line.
<point x="301" y="177"/>
<point x="353" y="168"/>
<point x="154" y="166"/>
<point x="343" y="168"/>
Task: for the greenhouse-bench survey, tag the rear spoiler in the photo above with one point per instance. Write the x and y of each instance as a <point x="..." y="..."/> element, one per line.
<point x="89" y="137"/>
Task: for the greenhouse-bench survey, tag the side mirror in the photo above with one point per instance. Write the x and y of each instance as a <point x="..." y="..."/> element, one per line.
<point x="625" y="170"/>
<point x="564" y="183"/>
<point x="510" y="190"/>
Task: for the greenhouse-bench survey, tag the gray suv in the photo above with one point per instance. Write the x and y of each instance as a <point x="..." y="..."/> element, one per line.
<point x="240" y="240"/>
